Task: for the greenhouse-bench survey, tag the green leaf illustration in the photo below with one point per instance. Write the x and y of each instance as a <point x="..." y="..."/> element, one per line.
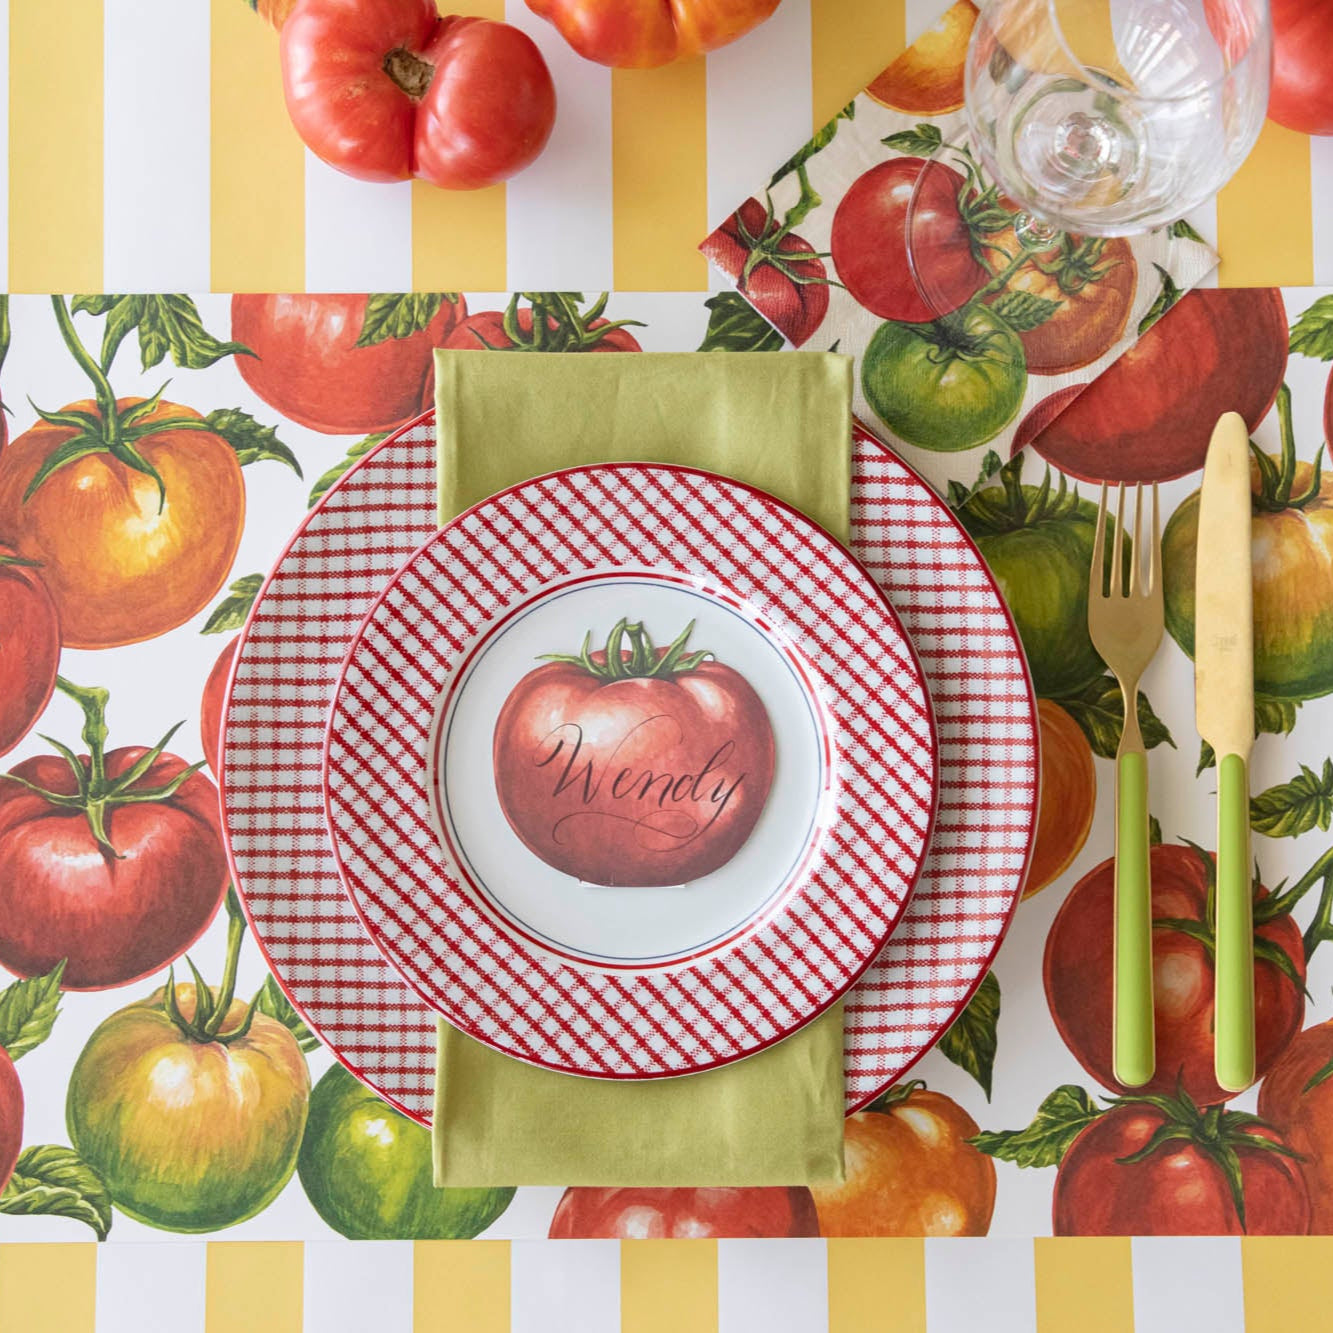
<point x="230" y="613"/>
<point x="28" y="1009"/>
<point x="734" y="325"/>
<point x="1060" y="1119"/>
<point x="971" y="1040"/>
<point x="1166" y="298"/>
<point x="1295" y="807"/>
<point x="167" y="326"/>
<point x="1099" y="710"/>
<point x="252" y="440"/>
<point x="1180" y="230"/>
<point x="399" y="315"/>
<point x="923" y="141"/>
<point x="823" y="137"/>
<point x="271" y="1001"/>
<point x="1025" y="311"/>
<point x="1312" y="333"/>
<point x="55" y="1181"/>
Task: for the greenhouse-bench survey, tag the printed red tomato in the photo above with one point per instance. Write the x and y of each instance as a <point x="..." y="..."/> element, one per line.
<point x="343" y="365"/>
<point x="910" y="1171"/>
<point x="683" y="1214"/>
<point x="927" y="79"/>
<point x="637" y="766"/>
<point x="387" y="89"/>
<point x="777" y="271"/>
<point x="124" y="557"/>
<point x="210" y="708"/>
<point x="1078" y="975"/>
<point x="1297" y="1100"/>
<point x="1302" y="92"/>
<point x="629" y="34"/>
<point x="1150" y="415"/>
<point x="870" y="250"/>
<point x="116" y="865"/>
<point x="29" y="647"/>
<point x="564" y="328"/>
<point x="11" y="1117"/>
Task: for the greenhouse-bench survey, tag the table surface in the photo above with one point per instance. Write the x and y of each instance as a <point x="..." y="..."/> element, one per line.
<point x="161" y="159"/>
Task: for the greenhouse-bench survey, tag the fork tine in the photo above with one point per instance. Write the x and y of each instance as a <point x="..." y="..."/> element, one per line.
<point x="1136" y="587"/>
<point x="1097" y="575"/>
<point x="1155" y="551"/>
<point x="1118" y="588"/>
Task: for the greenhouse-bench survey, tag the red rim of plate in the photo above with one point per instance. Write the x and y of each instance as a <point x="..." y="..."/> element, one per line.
<point x="803" y="951"/>
<point x="952" y="929"/>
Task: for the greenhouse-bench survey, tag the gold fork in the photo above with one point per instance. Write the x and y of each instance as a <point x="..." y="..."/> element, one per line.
<point x="1125" y="622"/>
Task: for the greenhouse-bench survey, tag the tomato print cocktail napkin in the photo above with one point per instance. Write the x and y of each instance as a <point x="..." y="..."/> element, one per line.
<point x="782" y="424"/>
<point x="971" y="345"/>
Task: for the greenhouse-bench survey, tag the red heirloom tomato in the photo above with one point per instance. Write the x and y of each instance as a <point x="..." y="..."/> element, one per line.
<point x="11" y="1117"/>
<point x="323" y="362"/>
<point x="780" y="274"/>
<point x="29" y="647"/>
<point x="634" y="34"/>
<point x="1161" y="1167"/>
<point x="684" y="1214"/>
<point x="1297" y="1100"/>
<point x="564" y="328"/>
<point x="387" y="89"/>
<point x="210" y="709"/>
<point x="639" y="767"/>
<point x="1150" y="415"/>
<point x="870" y="249"/>
<point x="1302" y="93"/>
<point x="113" y="860"/>
<point x="1078" y="971"/>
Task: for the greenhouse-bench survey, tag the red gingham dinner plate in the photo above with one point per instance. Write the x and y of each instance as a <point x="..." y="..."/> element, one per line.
<point x="293" y="649"/>
<point x="672" y="972"/>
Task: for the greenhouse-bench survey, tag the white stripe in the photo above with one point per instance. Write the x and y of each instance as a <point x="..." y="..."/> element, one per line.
<point x="558" y="212"/>
<point x="923" y="14"/>
<point x="1185" y="1282"/>
<point x="568" y="1286"/>
<point x="772" y="1286"/>
<point x="358" y="234"/>
<point x="351" y="1287"/>
<point x="155" y="165"/>
<point x="150" y="1288"/>
<point x="1321" y="189"/>
<point x="986" y="1282"/>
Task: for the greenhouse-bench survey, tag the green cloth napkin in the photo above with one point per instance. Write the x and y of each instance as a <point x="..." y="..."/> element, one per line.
<point x="782" y="424"/>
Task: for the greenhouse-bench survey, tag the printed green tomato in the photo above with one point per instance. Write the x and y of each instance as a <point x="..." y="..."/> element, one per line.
<point x="367" y="1170"/>
<point x="946" y="386"/>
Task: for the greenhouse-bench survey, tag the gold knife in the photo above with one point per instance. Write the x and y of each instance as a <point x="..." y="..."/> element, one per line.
<point x="1224" y="714"/>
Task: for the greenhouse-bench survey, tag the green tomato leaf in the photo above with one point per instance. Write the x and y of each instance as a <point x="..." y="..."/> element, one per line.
<point x="230" y="613"/>
<point x="359" y="450"/>
<point x="1024" y="311"/>
<point x="1180" y="230"/>
<point x="923" y="141"/>
<point x="28" y="1010"/>
<point x="167" y="325"/>
<point x="1154" y="831"/>
<point x="55" y="1181"/>
<point x="271" y="1001"/>
<point x="1166" y="298"/>
<point x="734" y="325"/>
<point x="399" y="314"/>
<point x="1312" y="333"/>
<point x="253" y="441"/>
<point x="971" y="1039"/>
<point x="1099" y="710"/>
<point x="1295" y="807"/>
<point x="821" y="140"/>
<point x="1060" y="1119"/>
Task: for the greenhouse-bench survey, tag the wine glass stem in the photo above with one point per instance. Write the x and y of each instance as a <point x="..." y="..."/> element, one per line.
<point x="1035" y="233"/>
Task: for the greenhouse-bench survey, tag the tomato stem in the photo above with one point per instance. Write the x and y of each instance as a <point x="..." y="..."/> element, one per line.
<point x="106" y="398"/>
<point x="412" y="74"/>
<point x="641" y="662"/>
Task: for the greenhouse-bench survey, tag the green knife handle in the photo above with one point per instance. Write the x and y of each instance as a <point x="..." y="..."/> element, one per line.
<point x="1134" y="1055"/>
<point x="1233" y="1051"/>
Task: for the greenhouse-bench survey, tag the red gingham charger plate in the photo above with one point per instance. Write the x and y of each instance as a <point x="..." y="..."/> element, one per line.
<point x="672" y="973"/>
<point x="293" y="649"/>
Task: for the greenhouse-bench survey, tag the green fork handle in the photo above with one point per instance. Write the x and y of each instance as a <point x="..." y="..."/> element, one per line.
<point x="1233" y="1048"/>
<point x="1134" y="1057"/>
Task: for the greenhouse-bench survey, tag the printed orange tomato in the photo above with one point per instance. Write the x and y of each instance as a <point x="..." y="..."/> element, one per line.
<point x="29" y="647"/>
<point x="210" y="708"/>
<point x="385" y="90"/>
<point x="927" y="79"/>
<point x="1297" y="1100"/>
<point x="588" y="1213"/>
<point x="11" y="1117"/>
<point x="1068" y="796"/>
<point x="635" y="34"/>
<point x="910" y="1171"/>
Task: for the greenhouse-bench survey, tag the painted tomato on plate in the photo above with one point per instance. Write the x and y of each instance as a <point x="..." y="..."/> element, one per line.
<point x="29" y="647"/>
<point x="634" y="766"/>
<point x="684" y="1214"/>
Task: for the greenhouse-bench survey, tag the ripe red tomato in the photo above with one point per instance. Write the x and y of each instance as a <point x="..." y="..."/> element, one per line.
<point x="64" y="894"/>
<point x="1150" y="415"/>
<point x="870" y="250"/>
<point x="121" y="564"/>
<point x="1078" y="976"/>
<point x="1297" y="1100"/>
<point x="566" y="330"/>
<point x="684" y="1214"/>
<point x="210" y="707"/>
<point x="790" y="292"/>
<point x="11" y="1117"/>
<point x="652" y="768"/>
<point x="308" y="366"/>
<point x="387" y="89"/>
<point x="1302" y="92"/>
<point x="1180" y="1187"/>
<point x="29" y="647"/>
<point x="630" y="34"/>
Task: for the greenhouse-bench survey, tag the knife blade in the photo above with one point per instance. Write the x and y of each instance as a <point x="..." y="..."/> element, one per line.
<point x="1224" y="715"/>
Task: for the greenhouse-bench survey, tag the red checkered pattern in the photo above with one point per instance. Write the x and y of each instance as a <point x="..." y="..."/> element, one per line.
<point x="791" y="964"/>
<point x="288" y="663"/>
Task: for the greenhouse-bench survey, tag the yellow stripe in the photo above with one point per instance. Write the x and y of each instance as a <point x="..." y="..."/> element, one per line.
<point x="254" y="1287"/>
<point x="869" y="1278"/>
<point x="458" y="239"/>
<point x="1084" y="1283"/>
<point x="668" y="1285"/>
<point x="1287" y="1289"/>
<point x="850" y="42"/>
<point x="48" y="1288"/>
<point x="462" y="1284"/>
<point x="257" y="222"/>
<point x="659" y="152"/>
<point x="1265" y="227"/>
<point x="55" y="146"/>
